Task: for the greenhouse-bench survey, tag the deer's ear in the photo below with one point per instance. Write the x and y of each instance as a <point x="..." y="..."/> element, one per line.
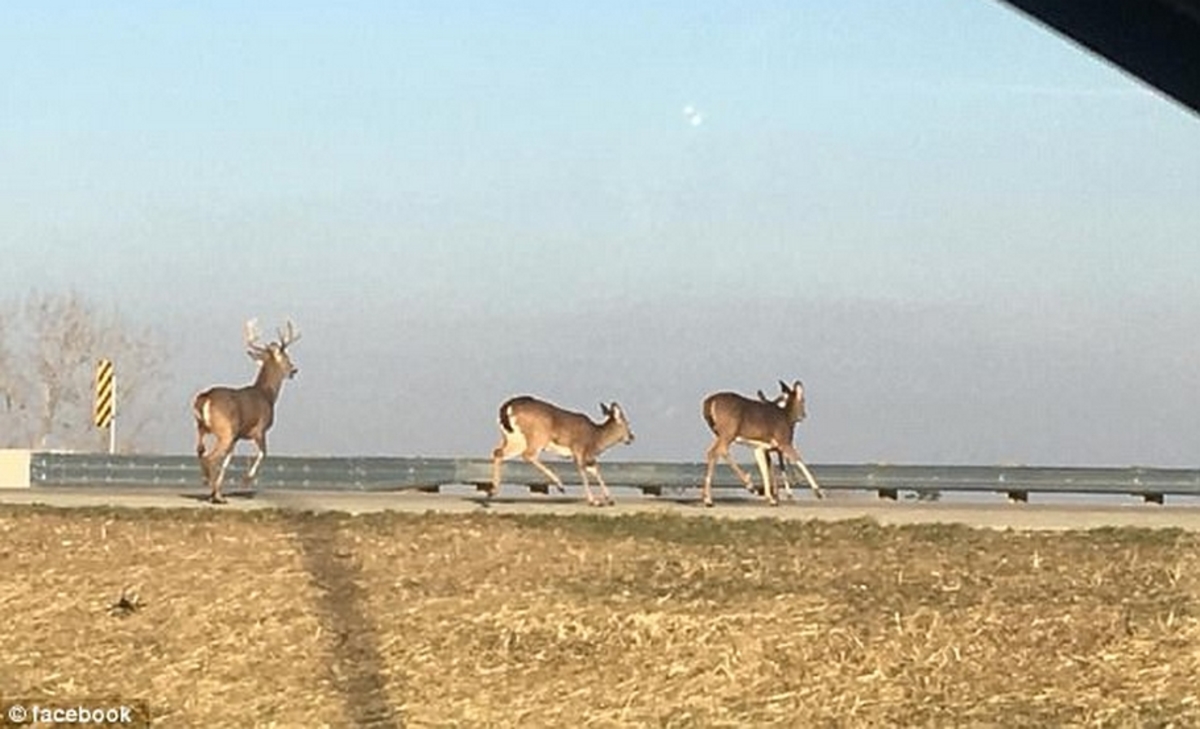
<point x="605" y="409"/>
<point x="783" y="387"/>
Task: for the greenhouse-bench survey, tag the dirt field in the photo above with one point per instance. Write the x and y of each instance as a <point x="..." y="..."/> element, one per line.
<point x="274" y="618"/>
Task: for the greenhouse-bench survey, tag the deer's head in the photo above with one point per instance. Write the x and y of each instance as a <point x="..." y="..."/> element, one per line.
<point x="616" y="415"/>
<point x="273" y="356"/>
<point x="793" y="400"/>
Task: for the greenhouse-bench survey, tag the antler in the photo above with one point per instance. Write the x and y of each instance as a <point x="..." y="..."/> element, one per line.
<point x="288" y="336"/>
<point x="250" y="333"/>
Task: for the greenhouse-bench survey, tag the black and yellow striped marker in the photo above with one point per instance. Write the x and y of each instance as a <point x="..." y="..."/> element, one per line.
<point x="105" y="397"/>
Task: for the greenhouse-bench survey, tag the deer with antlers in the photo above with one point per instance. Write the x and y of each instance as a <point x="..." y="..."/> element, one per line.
<point x="764" y="426"/>
<point x="529" y="425"/>
<point x="232" y="414"/>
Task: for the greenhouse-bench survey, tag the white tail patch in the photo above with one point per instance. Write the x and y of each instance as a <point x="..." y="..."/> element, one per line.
<point x="204" y="412"/>
<point x="514" y="442"/>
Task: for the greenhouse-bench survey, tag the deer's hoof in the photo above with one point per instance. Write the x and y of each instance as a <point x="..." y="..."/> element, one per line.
<point x="217" y="499"/>
<point x="708" y="503"/>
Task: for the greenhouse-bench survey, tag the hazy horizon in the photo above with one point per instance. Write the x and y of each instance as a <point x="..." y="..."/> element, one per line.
<point x="971" y="240"/>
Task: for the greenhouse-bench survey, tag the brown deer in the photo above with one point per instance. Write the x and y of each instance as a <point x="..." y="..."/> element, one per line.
<point x="761" y="425"/>
<point x="778" y="401"/>
<point x="529" y="425"/>
<point x="244" y="413"/>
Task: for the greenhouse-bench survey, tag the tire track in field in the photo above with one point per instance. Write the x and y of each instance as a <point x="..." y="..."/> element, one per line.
<point x="357" y="667"/>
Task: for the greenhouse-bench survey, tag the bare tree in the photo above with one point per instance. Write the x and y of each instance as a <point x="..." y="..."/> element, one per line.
<point x="11" y="382"/>
<point x="49" y="347"/>
<point x="61" y="349"/>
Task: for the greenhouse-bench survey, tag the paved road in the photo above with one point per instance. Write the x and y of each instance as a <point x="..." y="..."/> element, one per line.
<point x="989" y="515"/>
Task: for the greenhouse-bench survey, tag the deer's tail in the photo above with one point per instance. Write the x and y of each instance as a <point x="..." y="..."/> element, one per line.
<point x="708" y="414"/>
<point x="505" y="421"/>
<point x="202" y="409"/>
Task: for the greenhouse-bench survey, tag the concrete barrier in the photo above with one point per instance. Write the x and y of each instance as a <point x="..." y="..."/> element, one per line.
<point x="14" y="468"/>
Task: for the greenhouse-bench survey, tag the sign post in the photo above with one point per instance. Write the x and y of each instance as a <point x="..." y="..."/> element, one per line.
<point x="106" y="402"/>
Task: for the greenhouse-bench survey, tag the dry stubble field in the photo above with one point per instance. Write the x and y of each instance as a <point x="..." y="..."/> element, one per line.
<point x="273" y="618"/>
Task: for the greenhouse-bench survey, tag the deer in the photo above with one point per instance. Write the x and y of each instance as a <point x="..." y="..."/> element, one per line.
<point x="529" y="425"/>
<point x="778" y="401"/>
<point x="232" y="414"/>
<point x="764" y="426"/>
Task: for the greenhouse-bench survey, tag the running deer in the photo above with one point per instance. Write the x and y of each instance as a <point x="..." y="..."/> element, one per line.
<point x="761" y="425"/>
<point x="778" y="401"/>
<point x="232" y="414"/>
<point x="529" y="425"/>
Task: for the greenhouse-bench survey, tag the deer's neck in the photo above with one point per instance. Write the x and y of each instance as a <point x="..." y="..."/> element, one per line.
<point x="795" y="409"/>
<point x="610" y="435"/>
<point x="269" y="381"/>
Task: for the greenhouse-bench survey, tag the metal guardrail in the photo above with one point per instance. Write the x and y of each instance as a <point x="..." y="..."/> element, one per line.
<point x="655" y="478"/>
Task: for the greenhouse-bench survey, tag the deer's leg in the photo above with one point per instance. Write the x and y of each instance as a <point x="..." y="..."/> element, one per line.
<point x="260" y="444"/>
<point x="510" y="445"/>
<point x="205" y="471"/>
<point x="710" y="458"/>
<point x="787" y="483"/>
<point x="791" y="454"/>
<point x="763" y="458"/>
<point x="532" y="457"/>
<point x="587" y="489"/>
<point x="222" y="451"/>
<point x="720" y="449"/>
<point x="745" y="477"/>
<point x="594" y="470"/>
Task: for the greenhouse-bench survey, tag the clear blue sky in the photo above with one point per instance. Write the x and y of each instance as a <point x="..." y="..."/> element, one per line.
<point x="973" y="241"/>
